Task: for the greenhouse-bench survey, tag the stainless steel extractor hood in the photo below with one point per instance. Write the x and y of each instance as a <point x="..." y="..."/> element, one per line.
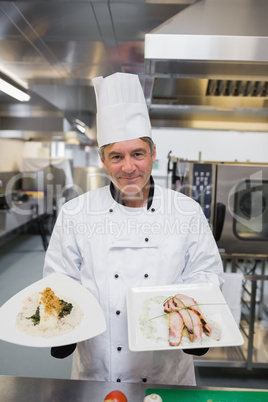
<point x="39" y="120"/>
<point x="207" y="67"/>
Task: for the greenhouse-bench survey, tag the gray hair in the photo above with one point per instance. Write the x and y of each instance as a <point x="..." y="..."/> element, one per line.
<point x="146" y="139"/>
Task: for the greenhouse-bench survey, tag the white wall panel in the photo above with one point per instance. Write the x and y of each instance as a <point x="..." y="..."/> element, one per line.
<point x="226" y="146"/>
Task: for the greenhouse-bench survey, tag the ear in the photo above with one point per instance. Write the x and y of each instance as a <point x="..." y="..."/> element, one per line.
<point x="102" y="160"/>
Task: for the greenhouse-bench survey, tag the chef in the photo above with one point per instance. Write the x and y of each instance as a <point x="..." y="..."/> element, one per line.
<point x="129" y="233"/>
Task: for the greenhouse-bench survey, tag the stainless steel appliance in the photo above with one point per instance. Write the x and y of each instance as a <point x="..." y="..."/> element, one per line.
<point x="234" y="198"/>
<point x="240" y="219"/>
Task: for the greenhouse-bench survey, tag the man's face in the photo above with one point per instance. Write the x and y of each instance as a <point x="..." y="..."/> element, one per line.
<point x="129" y="165"/>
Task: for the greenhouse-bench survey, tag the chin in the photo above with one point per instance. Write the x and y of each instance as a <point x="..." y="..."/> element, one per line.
<point x="130" y="189"/>
<point x="132" y="193"/>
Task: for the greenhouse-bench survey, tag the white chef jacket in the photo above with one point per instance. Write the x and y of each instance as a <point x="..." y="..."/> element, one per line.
<point x="109" y="248"/>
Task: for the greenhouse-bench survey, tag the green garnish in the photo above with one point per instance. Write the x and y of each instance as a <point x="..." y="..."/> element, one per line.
<point x="66" y="308"/>
<point x="35" y="317"/>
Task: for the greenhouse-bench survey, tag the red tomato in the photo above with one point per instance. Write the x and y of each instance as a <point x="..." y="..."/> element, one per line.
<point x="116" y="396"/>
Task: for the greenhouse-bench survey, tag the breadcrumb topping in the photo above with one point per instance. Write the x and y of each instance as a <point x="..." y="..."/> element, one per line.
<point x="51" y="302"/>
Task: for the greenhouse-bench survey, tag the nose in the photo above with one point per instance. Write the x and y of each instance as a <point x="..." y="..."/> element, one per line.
<point x="128" y="164"/>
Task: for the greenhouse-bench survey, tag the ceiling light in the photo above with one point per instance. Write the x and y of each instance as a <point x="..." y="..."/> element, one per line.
<point x="13" y="91"/>
<point x="80" y="126"/>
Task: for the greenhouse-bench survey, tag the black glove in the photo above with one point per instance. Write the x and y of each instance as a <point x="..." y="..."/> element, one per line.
<point x="60" y="352"/>
<point x="196" y="352"/>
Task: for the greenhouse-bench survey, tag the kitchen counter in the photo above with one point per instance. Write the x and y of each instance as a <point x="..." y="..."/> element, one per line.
<point x="14" y="389"/>
<point x="13" y="219"/>
<point x="20" y="213"/>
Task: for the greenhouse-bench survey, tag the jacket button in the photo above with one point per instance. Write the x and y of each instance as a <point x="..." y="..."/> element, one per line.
<point x="153" y="210"/>
<point x="146" y="239"/>
<point x="111" y="210"/>
<point x="117" y="312"/>
<point x="119" y="348"/>
<point x="144" y="380"/>
<point x="118" y="380"/>
<point x="116" y="276"/>
<point x="146" y="275"/>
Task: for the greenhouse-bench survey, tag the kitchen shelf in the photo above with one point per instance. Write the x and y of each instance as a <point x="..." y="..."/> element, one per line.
<point x="254" y="319"/>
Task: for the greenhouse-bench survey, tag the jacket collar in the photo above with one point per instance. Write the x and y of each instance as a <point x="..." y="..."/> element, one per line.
<point x="116" y="195"/>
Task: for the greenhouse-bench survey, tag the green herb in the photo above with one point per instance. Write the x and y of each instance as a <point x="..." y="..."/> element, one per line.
<point x="35" y="317"/>
<point x="66" y="308"/>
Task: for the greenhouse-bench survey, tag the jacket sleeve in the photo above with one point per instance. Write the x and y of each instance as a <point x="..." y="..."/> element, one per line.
<point x="202" y="259"/>
<point x="63" y="254"/>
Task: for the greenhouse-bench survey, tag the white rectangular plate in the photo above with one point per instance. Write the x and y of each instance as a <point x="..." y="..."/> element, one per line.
<point x="142" y="306"/>
<point x="92" y="324"/>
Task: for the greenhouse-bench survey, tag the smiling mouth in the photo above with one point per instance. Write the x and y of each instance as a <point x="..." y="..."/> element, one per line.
<point x="129" y="178"/>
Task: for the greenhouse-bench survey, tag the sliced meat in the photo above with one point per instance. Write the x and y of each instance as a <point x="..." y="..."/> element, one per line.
<point x="181" y="301"/>
<point x="192" y="323"/>
<point x="190" y="303"/>
<point x="176" y="326"/>
<point x="178" y="302"/>
<point x="169" y="306"/>
<point x="209" y="329"/>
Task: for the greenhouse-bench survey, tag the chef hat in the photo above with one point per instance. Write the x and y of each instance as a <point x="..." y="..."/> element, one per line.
<point x="122" y="112"/>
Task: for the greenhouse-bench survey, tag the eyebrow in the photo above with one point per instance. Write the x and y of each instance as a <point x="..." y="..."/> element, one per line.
<point x="139" y="150"/>
<point x="113" y="153"/>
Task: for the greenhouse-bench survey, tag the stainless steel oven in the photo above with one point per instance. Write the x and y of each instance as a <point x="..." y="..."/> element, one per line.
<point x="240" y="213"/>
<point x="234" y="198"/>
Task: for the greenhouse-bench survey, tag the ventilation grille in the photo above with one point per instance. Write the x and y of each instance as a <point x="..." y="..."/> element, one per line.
<point x="237" y="88"/>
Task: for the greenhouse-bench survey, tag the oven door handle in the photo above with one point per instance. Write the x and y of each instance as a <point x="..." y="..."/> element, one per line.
<point x="219" y="220"/>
